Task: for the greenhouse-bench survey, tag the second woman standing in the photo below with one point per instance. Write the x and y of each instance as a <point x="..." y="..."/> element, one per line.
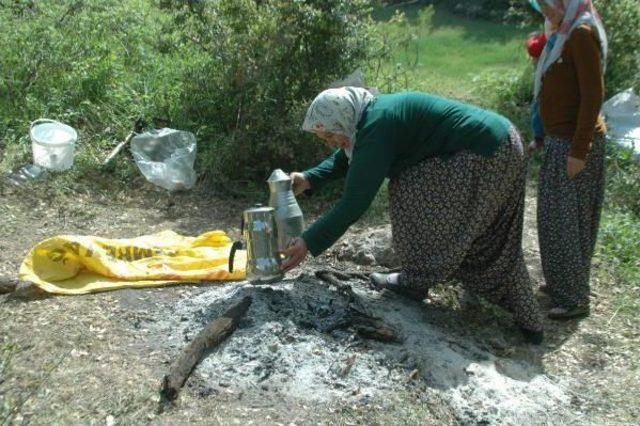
<point x="569" y="89"/>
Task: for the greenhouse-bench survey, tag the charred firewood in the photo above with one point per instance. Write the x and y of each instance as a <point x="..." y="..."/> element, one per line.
<point x="211" y="336"/>
<point x="7" y="285"/>
<point x="357" y="315"/>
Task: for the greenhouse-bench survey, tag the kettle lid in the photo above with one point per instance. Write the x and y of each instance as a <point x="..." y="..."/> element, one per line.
<point x="278" y="176"/>
<point x="259" y="208"/>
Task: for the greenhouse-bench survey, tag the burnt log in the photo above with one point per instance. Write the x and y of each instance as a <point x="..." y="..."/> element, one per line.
<point x="358" y="316"/>
<point x="7" y="285"/>
<point x="210" y="337"/>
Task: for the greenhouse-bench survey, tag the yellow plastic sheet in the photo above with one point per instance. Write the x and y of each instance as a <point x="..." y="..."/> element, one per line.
<point x="86" y="264"/>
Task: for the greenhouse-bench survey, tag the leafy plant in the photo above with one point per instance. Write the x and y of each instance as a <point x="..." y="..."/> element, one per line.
<point x="622" y="20"/>
<point x="239" y="74"/>
<point x="84" y="62"/>
<point x="497" y="10"/>
<point x="623" y="180"/>
<point x="261" y="63"/>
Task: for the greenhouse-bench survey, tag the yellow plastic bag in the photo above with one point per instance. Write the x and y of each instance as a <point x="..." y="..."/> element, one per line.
<point x="86" y="264"/>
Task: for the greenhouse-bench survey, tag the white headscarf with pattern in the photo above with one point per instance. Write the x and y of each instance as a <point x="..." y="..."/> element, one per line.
<point x="338" y="111"/>
<point x="576" y="13"/>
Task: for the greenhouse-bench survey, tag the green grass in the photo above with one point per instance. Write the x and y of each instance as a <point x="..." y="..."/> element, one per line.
<point x="619" y="237"/>
<point x="619" y="245"/>
<point x="444" y="54"/>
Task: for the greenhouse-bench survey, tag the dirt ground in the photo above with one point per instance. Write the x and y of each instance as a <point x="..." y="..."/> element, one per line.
<point x="98" y="359"/>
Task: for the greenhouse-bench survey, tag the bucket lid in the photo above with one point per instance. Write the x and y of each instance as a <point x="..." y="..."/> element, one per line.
<point x="278" y="176"/>
<point x="53" y="133"/>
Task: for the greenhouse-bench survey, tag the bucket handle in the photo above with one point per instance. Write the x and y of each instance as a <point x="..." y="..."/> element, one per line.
<point x="42" y="120"/>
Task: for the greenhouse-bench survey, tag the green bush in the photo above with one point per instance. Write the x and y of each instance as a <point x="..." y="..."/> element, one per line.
<point x="621" y="20"/>
<point x="514" y="11"/>
<point x="618" y="245"/>
<point x="263" y="63"/>
<point x="89" y="63"/>
<point x="509" y="94"/>
<point x="497" y="10"/>
<point x="623" y="180"/>
<point x="237" y="73"/>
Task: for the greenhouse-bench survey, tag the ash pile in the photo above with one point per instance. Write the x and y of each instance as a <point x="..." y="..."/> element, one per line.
<point x="316" y="341"/>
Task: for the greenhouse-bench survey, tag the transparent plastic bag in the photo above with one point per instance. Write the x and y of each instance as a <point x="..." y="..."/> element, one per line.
<point x="622" y="114"/>
<point x="165" y="157"/>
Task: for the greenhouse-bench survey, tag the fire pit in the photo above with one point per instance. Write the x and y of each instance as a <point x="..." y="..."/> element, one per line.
<point x="311" y="340"/>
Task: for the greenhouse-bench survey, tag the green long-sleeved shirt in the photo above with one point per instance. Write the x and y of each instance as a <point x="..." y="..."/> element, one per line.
<point x="397" y="131"/>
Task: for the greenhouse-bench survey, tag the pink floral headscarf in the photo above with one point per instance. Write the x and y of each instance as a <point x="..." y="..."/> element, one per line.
<point x="576" y="13"/>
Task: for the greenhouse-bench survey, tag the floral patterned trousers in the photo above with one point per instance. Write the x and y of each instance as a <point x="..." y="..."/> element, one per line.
<point x="461" y="218"/>
<point x="568" y="220"/>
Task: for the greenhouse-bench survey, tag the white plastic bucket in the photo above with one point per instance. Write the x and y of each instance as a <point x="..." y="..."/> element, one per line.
<point x="53" y="144"/>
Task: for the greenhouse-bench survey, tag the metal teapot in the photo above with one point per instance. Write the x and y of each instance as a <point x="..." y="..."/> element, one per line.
<point x="289" y="219"/>
<point x="260" y="233"/>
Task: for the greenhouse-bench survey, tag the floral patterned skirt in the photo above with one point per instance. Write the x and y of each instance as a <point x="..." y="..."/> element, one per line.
<point x="461" y="219"/>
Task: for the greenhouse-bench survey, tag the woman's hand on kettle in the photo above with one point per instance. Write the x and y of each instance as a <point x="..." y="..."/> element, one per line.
<point x="299" y="182"/>
<point x="295" y="254"/>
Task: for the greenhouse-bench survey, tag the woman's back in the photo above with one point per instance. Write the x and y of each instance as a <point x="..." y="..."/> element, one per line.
<point x="420" y="125"/>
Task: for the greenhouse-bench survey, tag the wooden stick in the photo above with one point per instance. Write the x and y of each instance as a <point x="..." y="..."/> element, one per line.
<point x="343" y="275"/>
<point x="211" y="336"/>
<point x="7" y="285"/>
<point x="330" y="277"/>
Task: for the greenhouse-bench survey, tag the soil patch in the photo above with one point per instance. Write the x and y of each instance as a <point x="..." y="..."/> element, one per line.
<point x="294" y="358"/>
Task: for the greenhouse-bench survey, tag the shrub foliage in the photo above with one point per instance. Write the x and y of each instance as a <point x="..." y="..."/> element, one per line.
<point x="238" y="73"/>
<point x="264" y="61"/>
<point x="622" y="20"/>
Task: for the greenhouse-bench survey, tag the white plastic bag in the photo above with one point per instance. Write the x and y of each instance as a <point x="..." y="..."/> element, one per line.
<point x="622" y="114"/>
<point x="165" y="157"/>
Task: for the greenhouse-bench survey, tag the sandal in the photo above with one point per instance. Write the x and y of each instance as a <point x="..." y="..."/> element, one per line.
<point x="562" y="313"/>
<point x="379" y="281"/>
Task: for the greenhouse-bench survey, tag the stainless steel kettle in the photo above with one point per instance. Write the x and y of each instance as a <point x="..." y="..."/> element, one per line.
<point x="289" y="217"/>
<point x="260" y="233"/>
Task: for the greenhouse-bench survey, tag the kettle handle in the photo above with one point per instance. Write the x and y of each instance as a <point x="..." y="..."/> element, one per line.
<point x="235" y="246"/>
